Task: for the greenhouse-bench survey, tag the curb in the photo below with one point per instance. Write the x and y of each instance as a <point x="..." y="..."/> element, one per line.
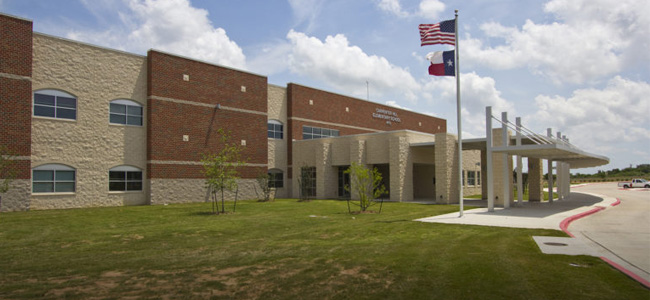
<point x="564" y="225"/>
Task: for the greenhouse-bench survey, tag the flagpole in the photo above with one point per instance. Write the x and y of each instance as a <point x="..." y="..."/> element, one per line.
<point x="458" y="120"/>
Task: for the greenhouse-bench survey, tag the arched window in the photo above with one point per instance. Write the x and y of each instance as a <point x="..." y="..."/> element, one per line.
<point x="124" y="178"/>
<point x="275" y="129"/>
<point x="276" y="178"/>
<point x="55" y="104"/>
<point x="53" y="178"/>
<point x="125" y="112"/>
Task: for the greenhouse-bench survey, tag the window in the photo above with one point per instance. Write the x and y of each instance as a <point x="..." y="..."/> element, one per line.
<point x="53" y="178"/>
<point x="471" y="178"/>
<point x="309" y="133"/>
<point x="274" y="129"/>
<point x="344" y="180"/>
<point x="124" y="178"/>
<point x="275" y="178"/>
<point x="463" y="178"/>
<point x="55" y="104"/>
<point x="478" y="177"/>
<point x="125" y="112"/>
<point x="307" y="182"/>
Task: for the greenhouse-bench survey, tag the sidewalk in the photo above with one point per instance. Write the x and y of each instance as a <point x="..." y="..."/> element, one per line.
<point x="540" y="215"/>
<point x="556" y="215"/>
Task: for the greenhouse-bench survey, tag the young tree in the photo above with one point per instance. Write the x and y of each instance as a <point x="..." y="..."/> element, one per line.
<point x="367" y="185"/>
<point x="264" y="182"/>
<point x="7" y="172"/>
<point x="306" y="183"/>
<point x="220" y="170"/>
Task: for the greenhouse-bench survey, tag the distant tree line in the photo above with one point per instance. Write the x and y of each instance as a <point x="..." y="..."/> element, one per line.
<point x="640" y="171"/>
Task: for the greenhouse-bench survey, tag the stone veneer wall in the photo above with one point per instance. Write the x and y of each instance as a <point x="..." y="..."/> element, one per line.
<point x="367" y="149"/>
<point x="168" y="191"/>
<point x="277" y="110"/>
<point x="89" y="144"/>
<point x="470" y="159"/>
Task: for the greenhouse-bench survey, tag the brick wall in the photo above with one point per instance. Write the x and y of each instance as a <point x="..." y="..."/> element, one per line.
<point x="183" y="96"/>
<point x="16" y="89"/>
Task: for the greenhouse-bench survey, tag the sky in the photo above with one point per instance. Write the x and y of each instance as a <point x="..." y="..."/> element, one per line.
<point x="581" y="67"/>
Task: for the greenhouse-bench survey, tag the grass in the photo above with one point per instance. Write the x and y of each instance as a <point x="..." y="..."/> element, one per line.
<point x="286" y="250"/>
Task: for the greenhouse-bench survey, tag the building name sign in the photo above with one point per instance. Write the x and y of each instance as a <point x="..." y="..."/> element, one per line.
<point x="388" y="115"/>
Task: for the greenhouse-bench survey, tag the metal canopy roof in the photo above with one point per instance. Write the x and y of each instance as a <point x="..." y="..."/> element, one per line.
<point x="566" y="153"/>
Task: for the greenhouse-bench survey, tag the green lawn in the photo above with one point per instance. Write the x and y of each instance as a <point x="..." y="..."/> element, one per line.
<point x="286" y="250"/>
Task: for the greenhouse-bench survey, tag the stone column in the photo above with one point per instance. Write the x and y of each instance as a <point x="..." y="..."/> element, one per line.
<point x="535" y="180"/>
<point x="401" y="169"/>
<point x="446" y="157"/>
<point x="325" y="173"/>
<point x="358" y="155"/>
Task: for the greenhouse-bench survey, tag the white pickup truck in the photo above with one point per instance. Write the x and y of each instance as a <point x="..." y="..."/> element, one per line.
<point x="635" y="183"/>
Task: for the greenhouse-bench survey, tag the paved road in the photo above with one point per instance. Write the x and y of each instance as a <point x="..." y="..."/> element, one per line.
<point x="621" y="232"/>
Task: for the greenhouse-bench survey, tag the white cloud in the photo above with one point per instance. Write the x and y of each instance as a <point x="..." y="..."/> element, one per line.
<point x="306" y="11"/>
<point x="168" y="25"/>
<point x="476" y="93"/>
<point x="594" y="39"/>
<point x="392" y="6"/>
<point x="431" y="9"/>
<point x="347" y="67"/>
<point x="594" y="118"/>
<point x="394" y="104"/>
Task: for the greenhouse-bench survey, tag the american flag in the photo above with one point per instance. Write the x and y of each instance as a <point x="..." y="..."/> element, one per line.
<point x="439" y="33"/>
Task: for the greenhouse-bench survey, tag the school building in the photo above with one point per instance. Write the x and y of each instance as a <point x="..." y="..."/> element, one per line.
<point x="89" y="126"/>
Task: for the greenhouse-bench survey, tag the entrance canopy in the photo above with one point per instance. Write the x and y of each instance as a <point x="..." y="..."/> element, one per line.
<point x="555" y="150"/>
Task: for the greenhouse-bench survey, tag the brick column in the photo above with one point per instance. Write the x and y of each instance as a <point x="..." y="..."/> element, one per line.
<point x="16" y="106"/>
<point x="535" y="180"/>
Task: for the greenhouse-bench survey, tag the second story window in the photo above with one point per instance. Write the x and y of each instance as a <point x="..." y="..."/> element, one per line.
<point x="274" y="129"/>
<point x="55" y="104"/>
<point x="125" y="112"/>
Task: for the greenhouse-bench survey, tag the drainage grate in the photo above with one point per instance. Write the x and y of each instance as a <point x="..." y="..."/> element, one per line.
<point x="555" y="244"/>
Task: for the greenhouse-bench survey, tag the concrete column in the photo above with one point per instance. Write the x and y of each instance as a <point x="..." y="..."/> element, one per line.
<point x="326" y="174"/>
<point x="401" y="169"/>
<point x="499" y="178"/>
<point x="549" y="134"/>
<point x="520" y="183"/>
<point x="446" y="168"/>
<point x="535" y="180"/>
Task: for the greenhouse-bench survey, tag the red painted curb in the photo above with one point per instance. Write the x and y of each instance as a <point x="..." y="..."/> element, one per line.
<point x="564" y="225"/>
<point x="627" y="272"/>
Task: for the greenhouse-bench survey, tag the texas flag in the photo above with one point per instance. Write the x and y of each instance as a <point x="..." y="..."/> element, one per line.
<point x="442" y="63"/>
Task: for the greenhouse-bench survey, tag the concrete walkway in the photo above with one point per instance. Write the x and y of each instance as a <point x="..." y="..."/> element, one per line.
<point x="557" y="215"/>
<point x="541" y="215"/>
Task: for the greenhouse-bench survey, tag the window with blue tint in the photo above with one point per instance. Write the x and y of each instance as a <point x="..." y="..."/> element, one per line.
<point x="53" y="178"/>
<point x="55" y="104"/>
<point x="125" y="112"/>
<point x="275" y="129"/>
<point x="124" y="178"/>
<point x="309" y="133"/>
